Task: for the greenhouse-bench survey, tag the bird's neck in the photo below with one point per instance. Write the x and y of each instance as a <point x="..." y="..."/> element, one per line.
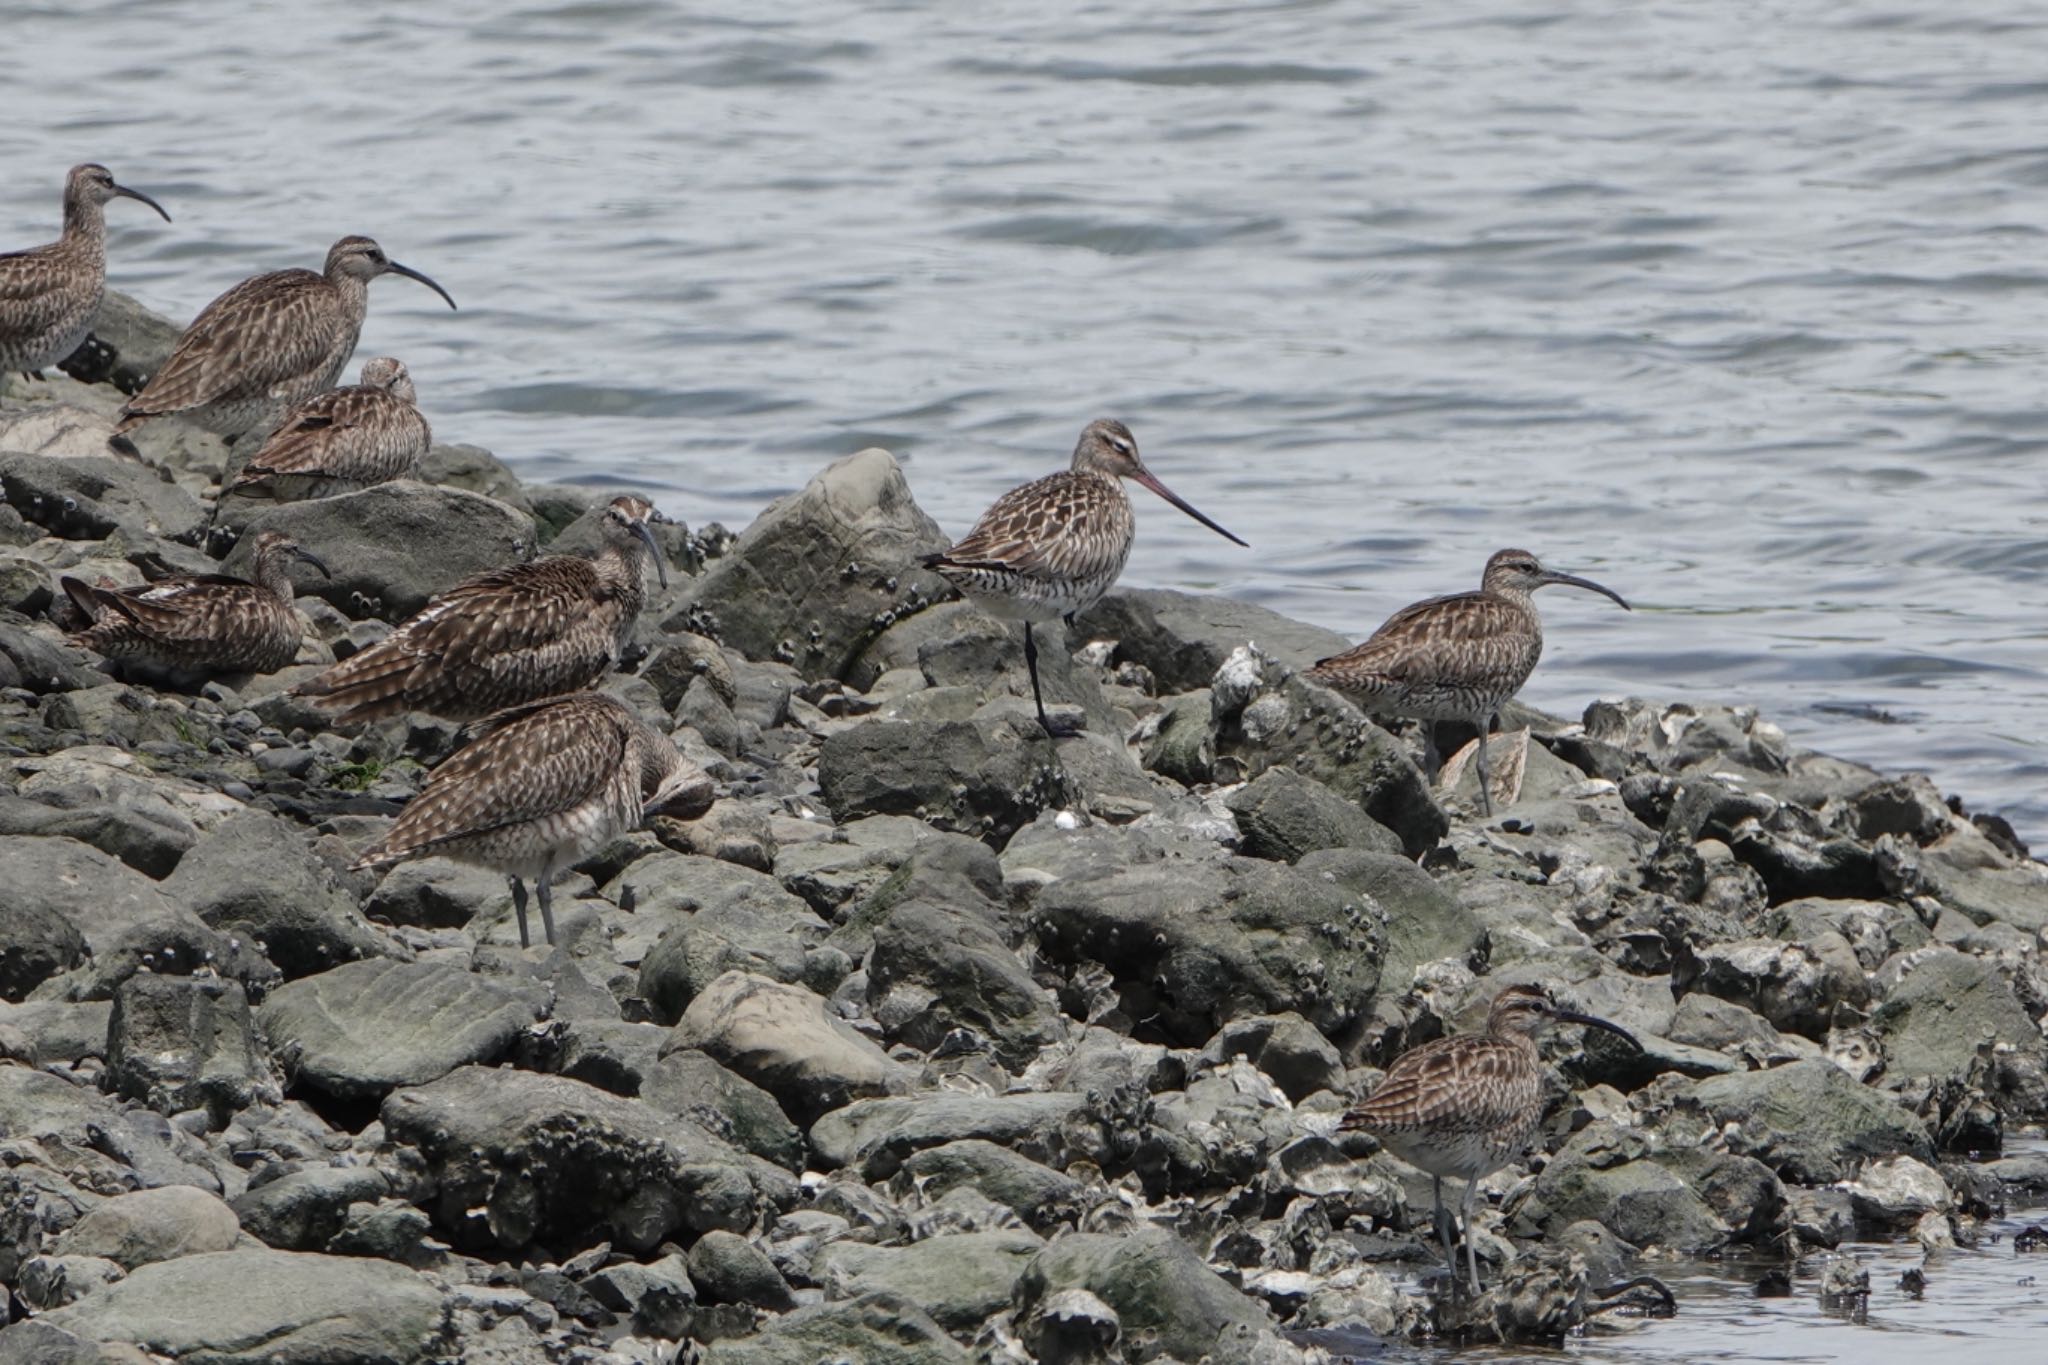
<point x="354" y="294"/>
<point x="273" y="575"/>
<point x="85" y="224"/>
<point x="624" y="568"/>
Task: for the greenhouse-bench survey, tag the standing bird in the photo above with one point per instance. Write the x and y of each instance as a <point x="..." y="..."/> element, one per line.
<point x="1466" y="1106"/>
<point x="540" y="787"/>
<point x="202" y="622"/>
<point x="268" y="343"/>
<point x="50" y="294"/>
<point x="348" y="438"/>
<point x="1054" y="546"/>
<point x="508" y="635"/>
<point x="1461" y="657"/>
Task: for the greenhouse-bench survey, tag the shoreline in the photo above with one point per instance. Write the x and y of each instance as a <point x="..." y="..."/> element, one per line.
<point x="931" y="1031"/>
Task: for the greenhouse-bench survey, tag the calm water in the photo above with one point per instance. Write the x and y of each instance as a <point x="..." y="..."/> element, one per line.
<point x="1736" y="307"/>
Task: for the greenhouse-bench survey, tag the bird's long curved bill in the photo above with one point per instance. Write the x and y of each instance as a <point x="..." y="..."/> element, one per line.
<point x="412" y="274"/>
<point x="1146" y="477"/>
<point x="1566" y="580"/>
<point x="127" y="193"/>
<point x="640" y="529"/>
<point x="1595" y="1021"/>
<point x="317" y="562"/>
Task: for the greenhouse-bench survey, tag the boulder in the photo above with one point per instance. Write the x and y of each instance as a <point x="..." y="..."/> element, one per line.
<point x="394" y="545"/>
<point x="36" y="943"/>
<point x="365" y="1028"/>
<point x="937" y="968"/>
<point x="30" y="659"/>
<point x="255" y="877"/>
<point x="727" y="1268"/>
<point x="983" y="777"/>
<point x="1170" y="1304"/>
<point x="1808" y="1121"/>
<point x="125" y="817"/>
<point x="879" y="1135"/>
<point x="962" y="1279"/>
<point x="1798" y="987"/>
<point x="1184" y="637"/>
<point x="821" y="571"/>
<point x="58" y="881"/>
<point x="1194" y="945"/>
<point x="1294" y="723"/>
<point x="153" y="1225"/>
<point x="1043" y="1197"/>
<point x="304" y="1210"/>
<point x="258" y="1306"/>
<point x="690" y="1085"/>
<point x="721" y="918"/>
<point x="1284" y="1046"/>
<point x="512" y="1156"/>
<point x="1947" y="1010"/>
<point x="1283" y="815"/>
<point x="882" y="1328"/>
<point x="187" y="1042"/>
<point x="1423" y="921"/>
<point x="783" y="1039"/>
<point x="94" y="496"/>
<point x="1632" y="1195"/>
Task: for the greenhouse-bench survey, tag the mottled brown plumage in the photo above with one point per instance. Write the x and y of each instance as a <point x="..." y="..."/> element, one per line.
<point x="542" y="786"/>
<point x="343" y="439"/>
<point x="50" y="294"/>
<point x="1467" y="1105"/>
<point x="1460" y="657"/>
<point x="267" y="343"/>
<point x="506" y="636"/>
<point x="202" y="622"/>
<point x="1053" y="547"/>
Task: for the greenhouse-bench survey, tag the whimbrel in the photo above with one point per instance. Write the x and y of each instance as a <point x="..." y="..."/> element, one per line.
<point x="202" y="622"/>
<point x="1467" y="1105"/>
<point x="267" y="343"/>
<point x="1054" y="546"/>
<point x="343" y="439"/>
<point x="541" y="786"/>
<point x="49" y="294"/>
<point x="1461" y="657"/>
<point x="507" y="635"/>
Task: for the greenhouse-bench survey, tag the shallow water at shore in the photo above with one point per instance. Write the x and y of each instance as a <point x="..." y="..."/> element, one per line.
<point x="1738" y="314"/>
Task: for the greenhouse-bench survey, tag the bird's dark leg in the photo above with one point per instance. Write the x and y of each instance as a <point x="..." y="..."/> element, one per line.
<point x="519" y="908"/>
<point x="33" y="376"/>
<point x="542" y="885"/>
<point x="1486" y="778"/>
<point x="1432" y="761"/>
<point x="1443" y="1228"/>
<point x="1471" y="1253"/>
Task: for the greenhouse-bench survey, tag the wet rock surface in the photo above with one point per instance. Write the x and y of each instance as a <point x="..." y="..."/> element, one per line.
<point x="939" y="1040"/>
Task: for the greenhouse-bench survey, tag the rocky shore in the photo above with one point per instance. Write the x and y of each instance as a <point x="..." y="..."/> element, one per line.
<point x="934" y="1041"/>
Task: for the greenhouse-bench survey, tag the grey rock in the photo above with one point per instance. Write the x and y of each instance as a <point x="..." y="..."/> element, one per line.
<point x="36" y="943"/>
<point x="475" y="470"/>
<point x="691" y="1085"/>
<point x="110" y="1146"/>
<point x="61" y="1030"/>
<point x="1298" y="725"/>
<point x="52" y="1281"/>
<point x="364" y="1028"/>
<point x="822" y="571"/>
<point x="1168" y="1302"/>
<point x="60" y="880"/>
<point x="726" y="918"/>
<point x="550" y="1158"/>
<point x="389" y="1230"/>
<point x="1283" y="815"/>
<point x="965" y="647"/>
<point x="1424" y="922"/>
<point x="683" y="659"/>
<point x="394" y="545"/>
<point x="153" y="1225"/>
<point x="1809" y="1122"/>
<point x="257" y="1306"/>
<point x="1180" y="742"/>
<point x="303" y="1210"/>
<point x="187" y="1042"/>
<point x="133" y="823"/>
<point x="113" y="713"/>
<point x="1193" y="945"/>
<point x="253" y="876"/>
<point x="1073" y="1327"/>
<point x="1184" y="637"/>
<point x="138" y="341"/>
<point x="1284" y="1046"/>
<point x="879" y="1135"/>
<point x="1041" y="1196"/>
<point x="727" y="1268"/>
<point x="946" y="870"/>
<point x="782" y="1038"/>
<point x="1798" y="987"/>
<point x="1947" y="1012"/>
<point x="91" y="497"/>
<point x="883" y="1328"/>
<point x="36" y="1342"/>
<point x="1627" y="1191"/>
<point x="936" y="968"/>
<point x="434" y="893"/>
<point x="29" y="660"/>
<point x="832" y="875"/>
<point x="657" y="1296"/>
<point x="982" y="777"/>
<point x="962" y="1280"/>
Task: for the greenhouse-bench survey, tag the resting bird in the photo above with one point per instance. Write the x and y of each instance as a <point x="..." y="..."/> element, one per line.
<point x="507" y="635"/>
<point x="1461" y="657"/>
<point x="542" y="786"/>
<point x="1467" y="1105"/>
<point x="367" y="433"/>
<point x="267" y="343"/>
<point x="202" y="623"/>
<point x="50" y="294"/>
<point x="1053" y="547"/>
